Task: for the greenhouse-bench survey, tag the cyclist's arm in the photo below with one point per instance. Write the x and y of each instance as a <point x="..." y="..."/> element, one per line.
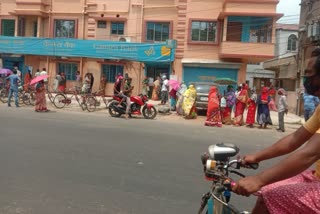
<point x="294" y="164"/>
<point x="285" y="145"/>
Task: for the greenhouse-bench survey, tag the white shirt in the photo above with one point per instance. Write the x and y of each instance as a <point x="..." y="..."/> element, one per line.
<point x="37" y="74"/>
<point x="19" y="73"/>
<point x="165" y="85"/>
<point x="42" y="73"/>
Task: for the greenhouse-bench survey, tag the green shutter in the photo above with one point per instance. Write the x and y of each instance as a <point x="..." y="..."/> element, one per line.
<point x="7" y="27"/>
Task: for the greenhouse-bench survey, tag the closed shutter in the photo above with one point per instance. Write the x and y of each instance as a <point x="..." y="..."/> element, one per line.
<point x="7" y="27"/>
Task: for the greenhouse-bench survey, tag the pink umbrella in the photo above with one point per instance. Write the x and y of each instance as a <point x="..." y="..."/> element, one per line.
<point x="38" y="79"/>
<point x="5" y="71"/>
<point x="174" y="84"/>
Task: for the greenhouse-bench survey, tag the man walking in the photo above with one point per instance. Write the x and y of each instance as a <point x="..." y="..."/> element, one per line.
<point x="164" y="90"/>
<point x="14" y="81"/>
<point x="310" y="104"/>
<point x="282" y="108"/>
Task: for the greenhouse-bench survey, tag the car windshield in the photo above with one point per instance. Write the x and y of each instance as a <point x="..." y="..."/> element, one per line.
<point x="203" y="88"/>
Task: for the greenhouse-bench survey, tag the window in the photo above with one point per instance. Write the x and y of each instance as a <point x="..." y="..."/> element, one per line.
<point x="64" y="28"/>
<point x="102" y="24"/>
<point x="35" y="28"/>
<point x="203" y="31"/>
<point x="261" y="34"/>
<point x="21" y="26"/>
<point x="158" y="32"/>
<point x="117" y="28"/>
<point x="70" y="70"/>
<point x="7" y="27"/>
<point x="111" y="71"/>
<point x="292" y="43"/>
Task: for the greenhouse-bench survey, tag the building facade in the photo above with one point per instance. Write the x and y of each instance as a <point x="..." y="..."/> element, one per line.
<point x="309" y="39"/>
<point x="214" y="38"/>
<point x="285" y="64"/>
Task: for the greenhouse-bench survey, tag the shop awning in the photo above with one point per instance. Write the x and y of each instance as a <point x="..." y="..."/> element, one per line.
<point x="62" y="47"/>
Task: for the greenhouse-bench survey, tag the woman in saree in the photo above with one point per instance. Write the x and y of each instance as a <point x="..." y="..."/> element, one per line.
<point x="241" y="103"/>
<point x="189" y="103"/>
<point x="272" y="93"/>
<point x="180" y="93"/>
<point x="41" y="104"/>
<point x="213" y="112"/>
<point x="27" y="80"/>
<point x="226" y="112"/>
<point x="263" y="116"/>
<point x="252" y="107"/>
<point x="156" y="89"/>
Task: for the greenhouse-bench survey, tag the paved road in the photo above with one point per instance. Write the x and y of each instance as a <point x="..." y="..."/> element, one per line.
<point x="75" y="162"/>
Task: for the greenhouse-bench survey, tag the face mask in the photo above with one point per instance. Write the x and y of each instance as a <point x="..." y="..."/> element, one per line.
<point x="307" y="83"/>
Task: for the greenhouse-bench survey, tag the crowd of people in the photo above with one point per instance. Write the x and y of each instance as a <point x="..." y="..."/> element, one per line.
<point x="289" y="186"/>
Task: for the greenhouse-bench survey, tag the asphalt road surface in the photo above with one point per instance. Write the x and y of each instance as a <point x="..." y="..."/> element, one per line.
<point x="75" y="162"/>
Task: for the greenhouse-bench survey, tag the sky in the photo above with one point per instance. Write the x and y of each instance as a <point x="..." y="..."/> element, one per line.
<point x="291" y="11"/>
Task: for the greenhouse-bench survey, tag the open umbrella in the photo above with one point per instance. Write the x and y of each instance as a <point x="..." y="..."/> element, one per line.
<point x="174" y="84"/>
<point x="38" y="79"/>
<point x="225" y="81"/>
<point x="5" y="71"/>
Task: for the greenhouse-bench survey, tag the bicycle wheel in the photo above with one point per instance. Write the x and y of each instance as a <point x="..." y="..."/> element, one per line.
<point x="26" y="98"/>
<point x="59" y="101"/>
<point x="91" y="103"/>
<point x="4" y="95"/>
<point x="51" y="98"/>
<point x="20" y="98"/>
<point x="32" y="98"/>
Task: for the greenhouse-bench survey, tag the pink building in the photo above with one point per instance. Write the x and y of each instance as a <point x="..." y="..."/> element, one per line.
<point x="215" y="38"/>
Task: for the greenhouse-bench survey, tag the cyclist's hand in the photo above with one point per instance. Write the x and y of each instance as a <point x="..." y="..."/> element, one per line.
<point x="249" y="159"/>
<point x="247" y="186"/>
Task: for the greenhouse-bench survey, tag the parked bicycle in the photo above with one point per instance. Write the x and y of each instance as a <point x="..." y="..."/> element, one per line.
<point x="95" y="100"/>
<point x="4" y="93"/>
<point x="217" y="168"/>
<point x="62" y="99"/>
<point x="29" y="96"/>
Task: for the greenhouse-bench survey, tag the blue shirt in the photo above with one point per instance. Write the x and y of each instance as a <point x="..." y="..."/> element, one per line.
<point x="310" y="102"/>
<point x="14" y="81"/>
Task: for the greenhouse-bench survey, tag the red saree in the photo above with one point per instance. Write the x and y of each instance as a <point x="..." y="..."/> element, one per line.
<point x="41" y="104"/>
<point x="213" y="112"/>
<point x="226" y="115"/>
<point x="251" y="112"/>
<point x="241" y="103"/>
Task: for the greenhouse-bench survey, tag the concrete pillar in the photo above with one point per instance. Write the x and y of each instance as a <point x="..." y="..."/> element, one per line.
<point x="39" y="23"/>
<point x="242" y="73"/>
<point x="225" y="26"/>
<point x="16" y="25"/>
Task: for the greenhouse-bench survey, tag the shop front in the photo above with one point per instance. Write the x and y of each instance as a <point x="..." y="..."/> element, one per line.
<point x="209" y="71"/>
<point x="99" y="57"/>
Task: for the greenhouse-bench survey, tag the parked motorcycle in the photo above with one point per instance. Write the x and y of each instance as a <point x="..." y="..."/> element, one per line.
<point x="139" y="106"/>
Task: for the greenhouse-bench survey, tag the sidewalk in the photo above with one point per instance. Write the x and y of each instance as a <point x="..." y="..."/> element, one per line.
<point x="290" y="118"/>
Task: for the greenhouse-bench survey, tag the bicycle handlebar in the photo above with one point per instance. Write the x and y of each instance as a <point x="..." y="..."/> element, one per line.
<point x="212" y="164"/>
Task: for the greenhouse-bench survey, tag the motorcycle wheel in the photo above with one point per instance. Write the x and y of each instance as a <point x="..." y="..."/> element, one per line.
<point x="149" y="113"/>
<point x="112" y="111"/>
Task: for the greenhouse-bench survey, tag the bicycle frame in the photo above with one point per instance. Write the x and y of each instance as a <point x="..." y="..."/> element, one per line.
<point x="216" y="167"/>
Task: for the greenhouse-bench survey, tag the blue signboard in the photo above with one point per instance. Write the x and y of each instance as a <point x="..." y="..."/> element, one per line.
<point x="140" y="52"/>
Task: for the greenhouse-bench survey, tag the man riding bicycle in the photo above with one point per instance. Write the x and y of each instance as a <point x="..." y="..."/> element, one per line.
<point x="288" y="187"/>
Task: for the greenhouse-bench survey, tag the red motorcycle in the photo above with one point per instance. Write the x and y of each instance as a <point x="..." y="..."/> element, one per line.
<point x="139" y="106"/>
